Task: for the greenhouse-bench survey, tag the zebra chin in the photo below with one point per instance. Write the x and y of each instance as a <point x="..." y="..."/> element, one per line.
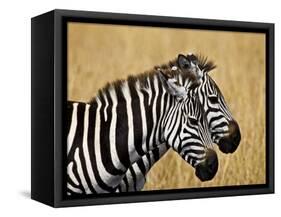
<point x="230" y="143"/>
<point x="207" y="169"/>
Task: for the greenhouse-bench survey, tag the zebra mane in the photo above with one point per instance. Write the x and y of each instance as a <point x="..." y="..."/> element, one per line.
<point x="142" y="78"/>
<point x="166" y="68"/>
<point x="205" y="64"/>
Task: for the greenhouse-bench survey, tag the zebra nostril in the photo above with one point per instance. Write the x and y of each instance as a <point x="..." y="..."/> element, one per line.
<point x="235" y="135"/>
<point x="236" y="138"/>
<point x="212" y="159"/>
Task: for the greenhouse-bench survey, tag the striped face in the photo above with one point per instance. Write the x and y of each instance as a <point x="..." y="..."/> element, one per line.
<point x="195" y="143"/>
<point x="186" y="131"/>
<point x="224" y="129"/>
<point x="194" y="137"/>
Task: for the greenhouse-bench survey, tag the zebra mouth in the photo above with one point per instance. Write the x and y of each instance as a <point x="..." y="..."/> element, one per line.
<point x="206" y="170"/>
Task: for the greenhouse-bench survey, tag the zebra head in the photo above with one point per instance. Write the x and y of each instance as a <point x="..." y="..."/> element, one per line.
<point x="223" y="127"/>
<point x="195" y="141"/>
<point x="186" y="128"/>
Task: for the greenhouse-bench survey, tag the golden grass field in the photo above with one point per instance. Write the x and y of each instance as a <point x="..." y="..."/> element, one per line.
<point x="101" y="53"/>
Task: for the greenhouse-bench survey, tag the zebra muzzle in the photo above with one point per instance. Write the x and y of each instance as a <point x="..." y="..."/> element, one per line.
<point x="206" y="170"/>
<point x="230" y="143"/>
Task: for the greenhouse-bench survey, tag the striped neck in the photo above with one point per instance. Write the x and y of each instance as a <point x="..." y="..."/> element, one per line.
<point x="132" y="113"/>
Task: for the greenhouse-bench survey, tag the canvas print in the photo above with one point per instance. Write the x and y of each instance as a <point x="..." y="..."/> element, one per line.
<point x="154" y="108"/>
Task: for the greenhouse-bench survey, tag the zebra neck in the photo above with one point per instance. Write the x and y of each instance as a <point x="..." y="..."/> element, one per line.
<point x="141" y="109"/>
<point x="127" y="121"/>
<point x="172" y="122"/>
<point x="114" y="131"/>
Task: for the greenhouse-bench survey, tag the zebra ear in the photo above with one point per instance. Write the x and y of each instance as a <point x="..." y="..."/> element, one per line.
<point x="189" y="64"/>
<point x="183" y="62"/>
<point x="172" y="86"/>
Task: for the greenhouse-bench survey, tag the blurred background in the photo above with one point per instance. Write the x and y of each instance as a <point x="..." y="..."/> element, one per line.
<point x="98" y="54"/>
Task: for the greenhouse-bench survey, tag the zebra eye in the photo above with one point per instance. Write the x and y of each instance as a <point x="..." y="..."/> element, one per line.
<point x="213" y="99"/>
<point x="192" y="121"/>
<point x="177" y="83"/>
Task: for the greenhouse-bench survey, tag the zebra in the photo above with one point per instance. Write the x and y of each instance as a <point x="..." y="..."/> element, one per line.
<point x="128" y="119"/>
<point x="198" y="137"/>
<point x="223" y="127"/>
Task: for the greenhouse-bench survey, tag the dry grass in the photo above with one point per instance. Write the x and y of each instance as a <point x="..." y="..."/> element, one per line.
<point x="99" y="53"/>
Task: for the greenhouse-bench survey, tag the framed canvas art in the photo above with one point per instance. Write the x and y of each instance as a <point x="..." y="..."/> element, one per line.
<point x="134" y="108"/>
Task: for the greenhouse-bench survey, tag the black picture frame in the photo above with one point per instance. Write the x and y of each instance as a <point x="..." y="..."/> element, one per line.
<point x="48" y="94"/>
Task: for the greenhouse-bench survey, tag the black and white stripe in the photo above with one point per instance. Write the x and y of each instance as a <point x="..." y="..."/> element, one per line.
<point x="217" y="117"/>
<point x="114" y="140"/>
<point x="109" y="135"/>
<point x="191" y="143"/>
<point x="217" y="112"/>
